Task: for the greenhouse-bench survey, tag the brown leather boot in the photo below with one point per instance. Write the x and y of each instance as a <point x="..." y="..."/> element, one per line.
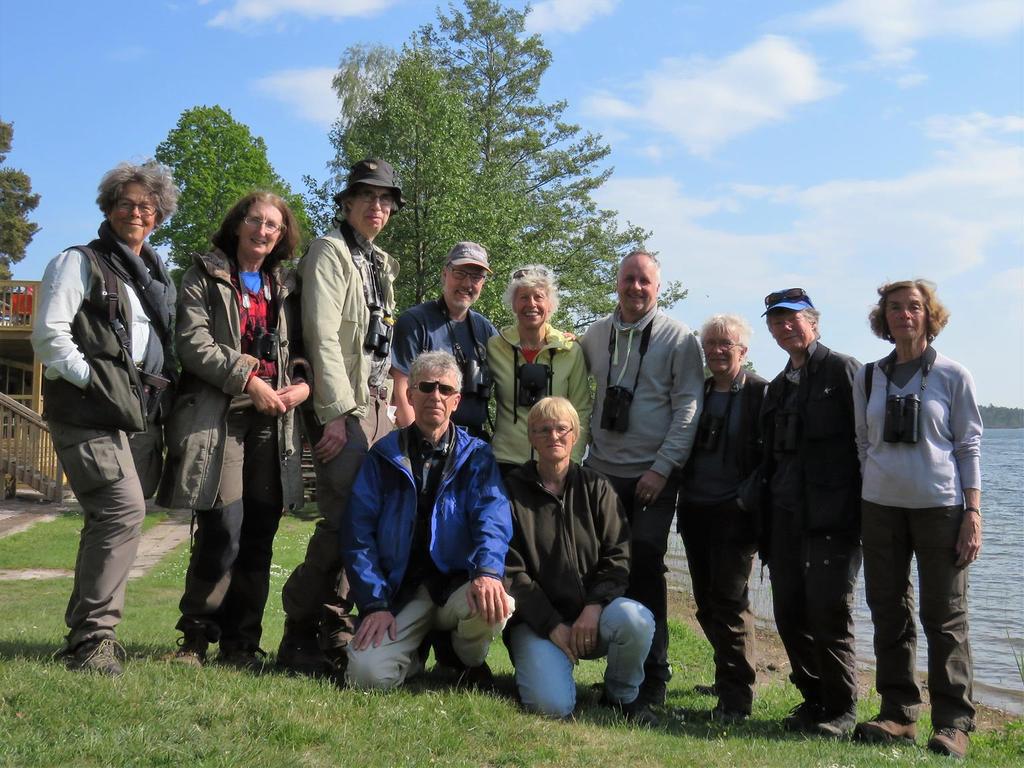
<point x="879" y="731"/>
<point x="950" y="741"/>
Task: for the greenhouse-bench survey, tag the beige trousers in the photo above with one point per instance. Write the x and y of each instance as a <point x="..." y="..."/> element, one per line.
<point x="390" y="663"/>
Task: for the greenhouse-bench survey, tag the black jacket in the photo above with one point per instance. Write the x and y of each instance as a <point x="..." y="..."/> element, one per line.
<point x="827" y="449"/>
<point x="565" y="553"/>
<point x="747" y="454"/>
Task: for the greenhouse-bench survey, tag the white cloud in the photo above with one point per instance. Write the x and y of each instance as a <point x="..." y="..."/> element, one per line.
<point x="566" y="15"/>
<point x="892" y="27"/>
<point x="956" y="220"/>
<point x="244" y="12"/>
<point x="309" y="91"/>
<point x="704" y="103"/>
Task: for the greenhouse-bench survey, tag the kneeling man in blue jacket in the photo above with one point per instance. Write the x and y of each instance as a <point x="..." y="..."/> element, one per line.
<point x="424" y="545"/>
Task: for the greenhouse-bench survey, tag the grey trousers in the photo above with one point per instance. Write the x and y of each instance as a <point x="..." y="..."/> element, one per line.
<point x="891" y="535"/>
<point x="316" y="595"/>
<point x="101" y="471"/>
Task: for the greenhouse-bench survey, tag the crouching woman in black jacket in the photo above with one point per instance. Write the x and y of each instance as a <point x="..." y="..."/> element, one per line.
<point x="568" y="568"/>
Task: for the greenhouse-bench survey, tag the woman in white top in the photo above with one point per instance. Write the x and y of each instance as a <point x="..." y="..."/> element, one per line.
<point x="919" y="441"/>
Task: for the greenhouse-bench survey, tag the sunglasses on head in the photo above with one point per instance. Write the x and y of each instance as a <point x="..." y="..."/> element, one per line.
<point x="542" y="271"/>
<point x="427" y="387"/>
<point x="790" y="294"/>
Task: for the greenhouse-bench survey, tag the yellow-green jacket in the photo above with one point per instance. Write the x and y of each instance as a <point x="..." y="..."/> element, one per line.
<point x="569" y="379"/>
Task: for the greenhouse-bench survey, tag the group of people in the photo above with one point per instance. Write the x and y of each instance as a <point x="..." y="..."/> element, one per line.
<point x="441" y="530"/>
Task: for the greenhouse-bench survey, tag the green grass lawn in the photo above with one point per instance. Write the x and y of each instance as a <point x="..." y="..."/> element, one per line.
<point x="161" y="715"/>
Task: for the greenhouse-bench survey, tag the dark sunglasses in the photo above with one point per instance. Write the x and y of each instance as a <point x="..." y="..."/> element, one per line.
<point x="790" y="294"/>
<point x="427" y="387"/>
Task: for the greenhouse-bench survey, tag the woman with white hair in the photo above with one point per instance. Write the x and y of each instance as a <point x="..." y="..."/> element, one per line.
<point x="531" y="360"/>
<point x="718" y="531"/>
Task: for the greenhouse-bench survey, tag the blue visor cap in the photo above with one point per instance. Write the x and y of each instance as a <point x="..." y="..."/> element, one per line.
<point x="788" y="298"/>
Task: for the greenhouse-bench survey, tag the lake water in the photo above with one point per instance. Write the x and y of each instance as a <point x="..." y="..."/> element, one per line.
<point x="996" y="592"/>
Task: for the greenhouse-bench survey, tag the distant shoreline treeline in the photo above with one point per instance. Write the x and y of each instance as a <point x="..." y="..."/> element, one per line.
<point x="999" y="417"/>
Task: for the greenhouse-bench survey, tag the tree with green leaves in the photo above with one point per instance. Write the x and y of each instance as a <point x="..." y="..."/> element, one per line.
<point x="16" y="202"/>
<point x="215" y="161"/>
<point x="529" y="176"/>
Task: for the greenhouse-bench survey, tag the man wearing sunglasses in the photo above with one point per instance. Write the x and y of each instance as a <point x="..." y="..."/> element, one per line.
<point x="449" y="323"/>
<point x="348" y="307"/>
<point x="425" y="539"/>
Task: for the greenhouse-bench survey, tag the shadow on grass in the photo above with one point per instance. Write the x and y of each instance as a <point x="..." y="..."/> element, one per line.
<point x="31" y="651"/>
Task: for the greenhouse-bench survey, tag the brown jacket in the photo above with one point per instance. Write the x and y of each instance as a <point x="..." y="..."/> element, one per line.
<point x="565" y="553"/>
<point x="208" y="343"/>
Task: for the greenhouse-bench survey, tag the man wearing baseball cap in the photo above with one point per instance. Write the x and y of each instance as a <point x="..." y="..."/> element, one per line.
<point x="348" y="308"/>
<point x="809" y="506"/>
<point x="449" y="323"/>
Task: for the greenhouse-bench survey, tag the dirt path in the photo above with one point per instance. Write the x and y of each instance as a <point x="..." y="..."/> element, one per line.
<point x="20" y="514"/>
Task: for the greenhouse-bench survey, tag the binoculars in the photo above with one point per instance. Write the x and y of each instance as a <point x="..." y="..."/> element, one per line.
<point x="615" y="409"/>
<point x="902" y="413"/>
<point x="265" y="344"/>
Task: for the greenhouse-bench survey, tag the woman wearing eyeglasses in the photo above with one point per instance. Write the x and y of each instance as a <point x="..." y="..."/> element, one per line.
<point x="233" y="455"/>
<point x="919" y="439"/>
<point x="567" y="569"/>
<point x="718" y="532"/>
<point x="810" y="535"/>
<point x="531" y="360"/>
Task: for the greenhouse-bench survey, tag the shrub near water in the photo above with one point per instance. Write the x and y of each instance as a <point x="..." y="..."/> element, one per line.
<point x="159" y="714"/>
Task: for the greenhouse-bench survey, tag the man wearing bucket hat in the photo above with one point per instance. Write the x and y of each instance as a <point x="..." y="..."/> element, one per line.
<point x="809" y="504"/>
<point x="348" y="307"/>
<point x="450" y="324"/>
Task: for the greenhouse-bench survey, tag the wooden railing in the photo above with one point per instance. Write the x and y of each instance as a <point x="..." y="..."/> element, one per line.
<point x="18" y="303"/>
<point x="26" y="451"/>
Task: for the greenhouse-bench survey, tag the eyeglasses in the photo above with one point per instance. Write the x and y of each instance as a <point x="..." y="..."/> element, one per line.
<point x="558" y="430"/>
<point x="386" y="199"/>
<point x="790" y="294"/>
<point x="127" y="206"/>
<point x="728" y="346"/>
<point x="427" y="387"/>
<point x="256" y="222"/>
<point x="542" y="271"/>
<point x="474" y="277"/>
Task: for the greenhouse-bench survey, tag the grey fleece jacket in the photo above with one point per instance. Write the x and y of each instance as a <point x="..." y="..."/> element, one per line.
<point x="667" y="400"/>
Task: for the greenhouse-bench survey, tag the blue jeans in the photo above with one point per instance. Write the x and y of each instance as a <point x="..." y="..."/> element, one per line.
<point x="544" y="672"/>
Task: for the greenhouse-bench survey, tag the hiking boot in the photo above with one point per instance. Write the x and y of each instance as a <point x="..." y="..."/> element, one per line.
<point x="245" y="659"/>
<point x="637" y="712"/>
<point x="726" y="715"/>
<point x="838" y="727"/>
<point x="950" y="741"/>
<point x="103" y="656"/>
<point x="191" y="651"/>
<point x="879" y="731"/>
<point x="803" y="718"/>
<point x="300" y="654"/>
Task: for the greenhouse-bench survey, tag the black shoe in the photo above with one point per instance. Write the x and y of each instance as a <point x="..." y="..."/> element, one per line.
<point x="477" y="678"/>
<point x="727" y="715"/>
<point x="103" y="656"/>
<point x="637" y="711"/>
<point x="653" y="693"/>
<point x="300" y="654"/>
<point x="838" y="727"/>
<point x="803" y="718"/>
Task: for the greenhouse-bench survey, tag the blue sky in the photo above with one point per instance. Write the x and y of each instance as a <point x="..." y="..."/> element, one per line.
<point x="830" y="145"/>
